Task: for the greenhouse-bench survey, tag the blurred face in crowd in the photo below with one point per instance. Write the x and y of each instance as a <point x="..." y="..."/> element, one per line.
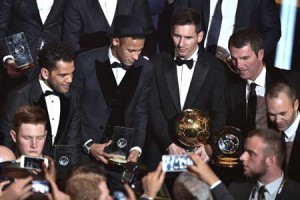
<point x="248" y="64"/>
<point x="30" y="139"/>
<point x="59" y="78"/>
<point x="186" y="40"/>
<point x="282" y="111"/>
<point x="127" y="50"/>
<point x="254" y="159"/>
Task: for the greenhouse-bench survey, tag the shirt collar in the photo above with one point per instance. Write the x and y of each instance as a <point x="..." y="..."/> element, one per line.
<point x="261" y="79"/>
<point x="194" y="56"/>
<point x="291" y="131"/>
<point x="44" y="86"/>
<point x="111" y="57"/>
<point x="273" y="186"/>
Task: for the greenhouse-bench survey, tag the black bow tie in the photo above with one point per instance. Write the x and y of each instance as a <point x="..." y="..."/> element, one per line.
<point x="48" y="92"/>
<point x="180" y="62"/>
<point x="118" y="65"/>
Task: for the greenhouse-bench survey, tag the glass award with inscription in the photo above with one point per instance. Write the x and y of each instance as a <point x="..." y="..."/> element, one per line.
<point x="192" y="128"/>
<point x="121" y="144"/>
<point x="227" y="146"/>
<point x="19" y="49"/>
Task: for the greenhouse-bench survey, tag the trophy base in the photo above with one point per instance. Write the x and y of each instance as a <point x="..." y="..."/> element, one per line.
<point x="118" y="160"/>
<point x="226" y="162"/>
<point x="24" y="67"/>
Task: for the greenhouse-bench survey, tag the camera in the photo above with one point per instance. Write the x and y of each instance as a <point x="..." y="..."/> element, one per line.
<point x="41" y="186"/>
<point x="30" y="162"/>
<point x="175" y="163"/>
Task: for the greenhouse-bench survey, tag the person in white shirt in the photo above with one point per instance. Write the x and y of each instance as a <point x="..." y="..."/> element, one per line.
<point x="283" y="110"/>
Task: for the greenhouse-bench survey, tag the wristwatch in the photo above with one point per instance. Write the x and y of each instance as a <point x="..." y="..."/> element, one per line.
<point x="87" y="146"/>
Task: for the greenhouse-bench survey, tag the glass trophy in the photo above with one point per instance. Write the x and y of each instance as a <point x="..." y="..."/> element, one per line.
<point x="227" y="146"/>
<point x="19" y="49"/>
<point x="121" y="144"/>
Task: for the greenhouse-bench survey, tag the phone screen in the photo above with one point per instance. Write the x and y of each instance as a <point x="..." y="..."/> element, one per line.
<point x="175" y="163"/>
<point x="41" y="186"/>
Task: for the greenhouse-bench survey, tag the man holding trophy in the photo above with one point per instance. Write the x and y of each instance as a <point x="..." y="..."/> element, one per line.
<point x="114" y="84"/>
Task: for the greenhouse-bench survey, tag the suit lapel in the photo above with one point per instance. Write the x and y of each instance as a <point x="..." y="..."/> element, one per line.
<point x="172" y="80"/>
<point x="96" y="7"/>
<point x="201" y="69"/>
<point x="294" y="162"/>
<point x="32" y="5"/>
<point x="56" y="7"/>
<point x="206" y="12"/>
<point x="242" y="6"/>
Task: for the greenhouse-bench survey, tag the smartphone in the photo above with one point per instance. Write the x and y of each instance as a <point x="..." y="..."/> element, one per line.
<point x="41" y="186"/>
<point x="30" y="162"/>
<point x="128" y="173"/>
<point x="175" y="163"/>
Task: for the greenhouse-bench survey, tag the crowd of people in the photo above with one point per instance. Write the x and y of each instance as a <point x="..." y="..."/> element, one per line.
<point x="96" y="109"/>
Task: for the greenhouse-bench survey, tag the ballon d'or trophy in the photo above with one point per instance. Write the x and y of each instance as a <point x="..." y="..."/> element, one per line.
<point x="192" y="128"/>
<point x="227" y="146"/>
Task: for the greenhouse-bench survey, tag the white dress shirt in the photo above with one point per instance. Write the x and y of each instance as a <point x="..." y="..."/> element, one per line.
<point x="260" y="84"/>
<point x="228" y="12"/>
<point x="109" y="9"/>
<point x="119" y="73"/>
<point x="53" y="108"/>
<point x="44" y="7"/>
<point x="272" y="188"/>
<point x="184" y="76"/>
<point x="291" y="131"/>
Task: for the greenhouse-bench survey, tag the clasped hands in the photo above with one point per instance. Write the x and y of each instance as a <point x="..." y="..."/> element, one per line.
<point x="97" y="150"/>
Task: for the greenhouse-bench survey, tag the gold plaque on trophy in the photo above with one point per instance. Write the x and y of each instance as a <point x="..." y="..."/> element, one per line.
<point x="192" y="128"/>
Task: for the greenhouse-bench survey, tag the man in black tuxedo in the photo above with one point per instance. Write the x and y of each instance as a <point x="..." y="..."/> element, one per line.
<point x="246" y="48"/>
<point x="114" y="84"/>
<point x="185" y="77"/>
<point x="282" y="105"/>
<point x="88" y="23"/>
<point x="261" y="15"/>
<point x="41" y="22"/>
<point x="262" y="160"/>
<point x="51" y="92"/>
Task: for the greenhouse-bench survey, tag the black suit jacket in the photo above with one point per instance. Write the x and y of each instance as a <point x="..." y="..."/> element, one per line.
<point x="86" y="27"/>
<point x="91" y="70"/>
<point x="31" y="94"/>
<point x="294" y="162"/>
<point x="205" y="93"/>
<point x="261" y="15"/>
<point x="242" y="191"/>
<point x="23" y="16"/>
<point x="235" y="95"/>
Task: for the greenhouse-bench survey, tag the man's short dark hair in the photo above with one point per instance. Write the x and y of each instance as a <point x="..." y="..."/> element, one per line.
<point x="51" y="53"/>
<point x="242" y="37"/>
<point x="29" y="115"/>
<point x="281" y="86"/>
<point x="274" y="141"/>
<point x="187" y="17"/>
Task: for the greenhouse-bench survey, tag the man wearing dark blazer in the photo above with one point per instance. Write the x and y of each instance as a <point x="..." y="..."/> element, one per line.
<point x="41" y="22"/>
<point x="261" y="15"/>
<point x="187" y="77"/>
<point x="87" y="23"/>
<point x="282" y="105"/>
<point x="246" y="48"/>
<point x="51" y="92"/>
<point x="114" y="84"/>
<point x="262" y="160"/>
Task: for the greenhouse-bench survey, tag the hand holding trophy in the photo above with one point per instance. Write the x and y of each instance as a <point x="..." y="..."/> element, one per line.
<point x="192" y="129"/>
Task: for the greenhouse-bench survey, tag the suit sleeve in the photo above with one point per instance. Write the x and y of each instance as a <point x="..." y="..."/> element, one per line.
<point x="220" y="192"/>
<point x="5" y="15"/>
<point x="12" y="103"/>
<point x="270" y="25"/>
<point x="140" y="118"/>
<point x="72" y="26"/>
